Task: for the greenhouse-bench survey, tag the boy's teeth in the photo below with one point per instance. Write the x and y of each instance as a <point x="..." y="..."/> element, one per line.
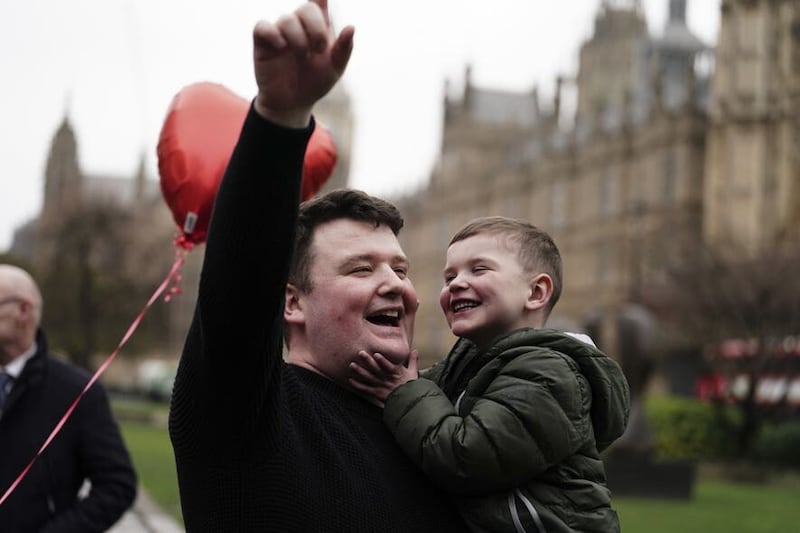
<point x="464" y="305"/>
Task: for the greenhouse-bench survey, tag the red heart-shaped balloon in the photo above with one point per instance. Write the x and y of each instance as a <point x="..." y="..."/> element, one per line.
<point x="196" y="141"/>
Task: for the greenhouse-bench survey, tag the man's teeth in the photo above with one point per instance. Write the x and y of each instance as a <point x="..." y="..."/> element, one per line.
<point x="386" y="318"/>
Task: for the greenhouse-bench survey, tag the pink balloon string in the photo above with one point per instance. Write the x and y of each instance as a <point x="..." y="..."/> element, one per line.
<point x="184" y="242"/>
<point x="171" y="281"/>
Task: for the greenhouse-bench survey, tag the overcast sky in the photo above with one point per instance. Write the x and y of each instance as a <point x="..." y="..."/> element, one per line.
<point x="113" y="66"/>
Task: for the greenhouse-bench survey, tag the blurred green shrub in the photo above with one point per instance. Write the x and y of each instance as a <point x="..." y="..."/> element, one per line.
<point x="687" y="428"/>
<point x="778" y="445"/>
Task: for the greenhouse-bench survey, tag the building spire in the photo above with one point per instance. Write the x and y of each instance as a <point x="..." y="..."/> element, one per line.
<point x="677" y="11"/>
<point x="67" y="103"/>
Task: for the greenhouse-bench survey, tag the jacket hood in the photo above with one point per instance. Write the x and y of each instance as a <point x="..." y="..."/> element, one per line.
<point x="610" y="392"/>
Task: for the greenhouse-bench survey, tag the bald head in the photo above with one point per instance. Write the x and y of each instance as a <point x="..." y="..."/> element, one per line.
<point x="15" y="282"/>
<point x="20" y="311"/>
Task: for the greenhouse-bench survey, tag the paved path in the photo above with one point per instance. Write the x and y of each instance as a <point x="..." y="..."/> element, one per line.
<point x="146" y="517"/>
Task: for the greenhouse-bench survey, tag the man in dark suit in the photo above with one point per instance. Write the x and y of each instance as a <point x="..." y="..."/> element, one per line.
<point x="36" y="390"/>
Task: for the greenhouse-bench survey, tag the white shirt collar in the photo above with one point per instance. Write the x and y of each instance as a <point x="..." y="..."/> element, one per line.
<point x="15" y="367"/>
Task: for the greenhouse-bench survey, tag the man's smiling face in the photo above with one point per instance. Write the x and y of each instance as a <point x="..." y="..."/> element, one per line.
<point x="360" y="298"/>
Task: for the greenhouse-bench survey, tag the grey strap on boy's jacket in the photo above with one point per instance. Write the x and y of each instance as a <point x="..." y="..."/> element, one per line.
<point x="512" y="506"/>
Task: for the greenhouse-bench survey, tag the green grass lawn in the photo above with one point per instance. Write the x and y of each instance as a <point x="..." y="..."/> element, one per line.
<point x="151" y="452"/>
<point x="716" y="505"/>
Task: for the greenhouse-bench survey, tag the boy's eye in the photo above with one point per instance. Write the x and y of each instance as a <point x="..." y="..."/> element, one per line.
<point x="361" y="269"/>
<point x="401" y="272"/>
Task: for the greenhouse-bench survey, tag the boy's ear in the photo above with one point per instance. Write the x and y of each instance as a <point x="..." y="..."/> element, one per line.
<point x="293" y="305"/>
<point x="540" y="293"/>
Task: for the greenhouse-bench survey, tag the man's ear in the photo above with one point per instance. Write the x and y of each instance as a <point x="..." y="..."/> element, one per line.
<point x="541" y="291"/>
<point x="27" y="309"/>
<point x="293" y="305"/>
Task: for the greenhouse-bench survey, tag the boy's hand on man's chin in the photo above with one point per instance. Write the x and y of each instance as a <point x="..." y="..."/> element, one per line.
<point x="377" y="377"/>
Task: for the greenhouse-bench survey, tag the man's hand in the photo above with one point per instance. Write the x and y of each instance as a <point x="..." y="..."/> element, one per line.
<point x="376" y="377"/>
<point x="297" y="60"/>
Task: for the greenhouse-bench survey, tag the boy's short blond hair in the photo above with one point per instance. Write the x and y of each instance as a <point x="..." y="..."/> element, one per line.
<point x="536" y="250"/>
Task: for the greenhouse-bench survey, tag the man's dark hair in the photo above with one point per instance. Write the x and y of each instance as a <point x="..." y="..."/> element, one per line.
<point x="337" y="204"/>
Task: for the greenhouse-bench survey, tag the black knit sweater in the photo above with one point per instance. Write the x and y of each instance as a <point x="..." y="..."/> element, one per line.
<point x="261" y="445"/>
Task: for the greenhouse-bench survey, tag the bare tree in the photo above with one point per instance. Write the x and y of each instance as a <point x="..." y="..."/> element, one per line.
<point x="739" y="309"/>
<point x="91" y="294"/>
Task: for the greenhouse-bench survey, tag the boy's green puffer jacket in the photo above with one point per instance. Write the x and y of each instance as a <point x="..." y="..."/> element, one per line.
<point x="515" y="432"/>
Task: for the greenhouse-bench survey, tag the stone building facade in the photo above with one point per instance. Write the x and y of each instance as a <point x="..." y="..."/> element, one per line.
<point x="752" y="186"/>
<point x="670" y="139"/>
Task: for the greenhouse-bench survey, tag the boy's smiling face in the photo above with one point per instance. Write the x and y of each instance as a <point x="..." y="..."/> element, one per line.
<point x="486" y="291"/>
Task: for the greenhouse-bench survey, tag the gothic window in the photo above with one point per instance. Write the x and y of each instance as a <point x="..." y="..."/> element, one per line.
<point x="443" y="236"/>
<point x="602" y="257"/>
<point x="795" y="45"/>
<point x="670" y="179"/>
<point x="608" y="194"/>
<point x="747" y="32"/>
<point x="558" y="205"/>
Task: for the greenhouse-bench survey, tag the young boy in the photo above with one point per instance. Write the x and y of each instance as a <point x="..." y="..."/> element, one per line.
<point x="513" y="420"/>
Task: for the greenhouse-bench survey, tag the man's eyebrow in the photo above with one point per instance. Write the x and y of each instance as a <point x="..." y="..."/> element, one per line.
<point x="369" y="258"/>
<point x="359" y="258"/>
